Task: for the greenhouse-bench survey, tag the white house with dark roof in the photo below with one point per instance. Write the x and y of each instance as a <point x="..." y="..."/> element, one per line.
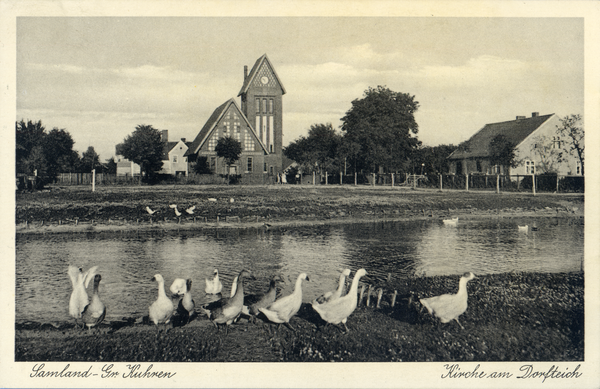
<point x="536" y="144"/>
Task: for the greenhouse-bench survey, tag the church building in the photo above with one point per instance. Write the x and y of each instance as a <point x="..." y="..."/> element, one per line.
<point x="256" y="122"/>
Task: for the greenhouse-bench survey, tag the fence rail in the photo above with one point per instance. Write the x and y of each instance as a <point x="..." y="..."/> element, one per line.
<point x="480" y="182"/>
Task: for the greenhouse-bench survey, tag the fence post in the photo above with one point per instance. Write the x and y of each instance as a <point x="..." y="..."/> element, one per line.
<point x="497" y="183"/>
<point x="533" y="183"/>
<point x="355" y="180"/>
<point x="414" y="181"/>
<point x="467" y="175"/>
<point x="441" y="183"/>
<point x="392" y="180"/>
<point x="557" y="183"/>
<point x="326" y="175"/>
<point x="314" y="178"/>
<point x="93" y="180"/>
<point x="341" y="178"/>
<point x="373" y="184"/>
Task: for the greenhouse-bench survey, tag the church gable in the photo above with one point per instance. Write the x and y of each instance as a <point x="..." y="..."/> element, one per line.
<point x="227" y="120"/>
<point x="262" y="75"/>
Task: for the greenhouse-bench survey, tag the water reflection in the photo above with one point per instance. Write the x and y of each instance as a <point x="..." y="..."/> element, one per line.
<point x="127" y="262"/>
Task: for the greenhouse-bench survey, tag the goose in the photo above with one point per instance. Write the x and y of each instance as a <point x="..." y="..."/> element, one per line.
<point x="330" y="296"/>
<point x="161" y="310"/>
<point x="524" y="228"/>
<point x="212" y="199"/>
<point x="282" y="310"/>
<point x="448" y="307"/>
<point x="227" y="309"/>
<point x="451" y="222"/>
<point x="80" y="282"/>
<point x="150" y="211"/>
<point x="338" y="311"/>
<point x="254" y="302"/>
<point x="94" y="313"/>
<point x="182" y="288"/>
<point x="213" y="286"/>
<point x="190" y="210"/>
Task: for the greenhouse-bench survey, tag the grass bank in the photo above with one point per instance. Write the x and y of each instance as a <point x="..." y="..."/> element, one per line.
<point x="511" y="317"/>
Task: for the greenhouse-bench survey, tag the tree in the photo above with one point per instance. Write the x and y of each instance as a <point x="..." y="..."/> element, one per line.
<point x="319" y="151"/>
<point x="571" y="127"/>
<point x="431" y="160"/>
<point x="382" y="124"/>
<point x="144" y="147"/>
<point x="201" y="165"/>
<point x="548" y="155"/>
<point x="230" y="150"/>
<point x="43" y="153"/>
<point x="110" y="166"/>
<point x="90" y="160"/>
<point x="502" y="152"/>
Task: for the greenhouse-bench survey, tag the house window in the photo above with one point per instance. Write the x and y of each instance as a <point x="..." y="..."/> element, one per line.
<point x="578" y="168"/>
<point x="265" y="167"/>
<point x="237" y="131"/>
<point x="174" y="159"/>
<point x="529" y="167"/>
<point x="271" y="148"/>
<point x="213" y="164"/>
<point x="478" y="163"/>
<point x="257" y="105"/>
<point x="265" y="105"/>
<point x="248" y="142"/>
<point x="249" y="165"/>
<point x="556" y="142"/>
<point x="227" y="128"/>
<point x="271" y="170"/>
<point x="270" y="106"/>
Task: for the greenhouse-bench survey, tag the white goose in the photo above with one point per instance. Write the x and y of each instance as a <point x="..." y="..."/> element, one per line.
<point x="161" y="310"/>
<point x="183" y="288"/>
<point x="227" y="309"/>
<point x="451" y="222"/>
<point x="331" y="296"/>
<point x="190" y="210"/>
<point x="337" y="311"/>
<point x="213" y="286"/>
<point x="448" y="307"/>
<point x="150" y="211"/>
<point x="94" y="313"/>
<point x="524" y="228"/>
<point x="282" y="310"/>
<point x="80" y="282"/>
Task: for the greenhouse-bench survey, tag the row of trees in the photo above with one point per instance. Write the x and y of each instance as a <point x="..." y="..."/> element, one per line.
<point x="47" y="153"/>
<point x="378" y="134"/>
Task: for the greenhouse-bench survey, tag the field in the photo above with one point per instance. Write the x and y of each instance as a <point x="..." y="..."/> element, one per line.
<point x="511" y="317"/>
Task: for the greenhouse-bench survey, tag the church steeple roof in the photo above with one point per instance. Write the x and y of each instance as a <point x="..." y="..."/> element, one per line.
<point x="254" y="72"/>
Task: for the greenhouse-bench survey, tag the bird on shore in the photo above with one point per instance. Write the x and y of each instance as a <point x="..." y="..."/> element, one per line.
<point x="524" y="228"/>
<point x="214" y="285"/>
<point x="282" y="310"/>
<point x="257" y="301"/>
<point x="94" y="313"/>
<point x="161" y="310"/>
<point x="190" y="210"/>
<point x="336" y="294"/>
<point x="185" y="309"/>
<point x="337" y="311"/>
<point x="150" y="211"/>
<point x="227" y="309"/>
<point x="448" y="307"/>
<point x="79" y="296"/>
<point x="451" y="222"/>
<point x="174" y="206"/>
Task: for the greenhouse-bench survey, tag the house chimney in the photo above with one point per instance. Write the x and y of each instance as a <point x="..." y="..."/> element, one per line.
<point x="245" y="72"/>
<point x="183" y="140"/>
<point x="535" y="114"/>
<point x="164" y="136"/>
<point x="520" y="117"/>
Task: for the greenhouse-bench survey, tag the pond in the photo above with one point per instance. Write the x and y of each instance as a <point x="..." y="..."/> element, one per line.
<point x="128" y="261"/>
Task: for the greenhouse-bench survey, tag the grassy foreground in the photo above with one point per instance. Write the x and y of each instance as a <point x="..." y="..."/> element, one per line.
<point x="511" y="317"/>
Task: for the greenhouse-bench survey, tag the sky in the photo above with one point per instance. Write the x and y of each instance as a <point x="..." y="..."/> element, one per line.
<point x="100" y="77"/>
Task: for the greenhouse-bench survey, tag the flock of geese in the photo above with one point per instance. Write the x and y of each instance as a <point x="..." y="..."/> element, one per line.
<point x="333" y="307"/>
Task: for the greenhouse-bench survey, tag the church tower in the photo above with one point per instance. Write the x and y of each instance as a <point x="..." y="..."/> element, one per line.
<point x="261" y="102"/>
